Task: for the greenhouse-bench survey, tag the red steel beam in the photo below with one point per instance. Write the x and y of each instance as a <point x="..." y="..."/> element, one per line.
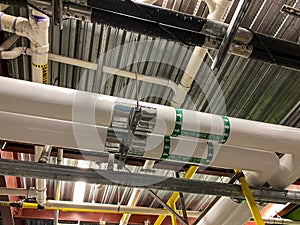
<point x="87" y="217"/>
<point x="9" y="182"/>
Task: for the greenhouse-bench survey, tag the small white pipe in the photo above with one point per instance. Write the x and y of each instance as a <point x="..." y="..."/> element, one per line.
<point x="41" y="184"/>
<point x="40" y="25"/>
<point x="288" y="172"/>
<point x="29" y="193"/>
<point x="217" y="9"/>
<point x="280" y="221"/>
<point x="58" y="186"/>
<point x="115" y="208"/>
<point x="12" y="54"/>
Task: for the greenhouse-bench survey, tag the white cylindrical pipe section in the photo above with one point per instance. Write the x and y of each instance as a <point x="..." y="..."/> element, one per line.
<point x="40" y="25"/>
<point x="41" y="184"/>
<point x="60" y="133"/>
<point x="217" y="10"/>
<point x="12" y="54"/>
<point x="17" y="25"/>
<point x="44" y="131"/>
<point x="289" y="171"/>
<point x="113" y="208"/>
<point x="20" y="97"/>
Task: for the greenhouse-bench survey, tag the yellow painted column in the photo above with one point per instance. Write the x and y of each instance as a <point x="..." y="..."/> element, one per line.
<point x="250" y="200"/>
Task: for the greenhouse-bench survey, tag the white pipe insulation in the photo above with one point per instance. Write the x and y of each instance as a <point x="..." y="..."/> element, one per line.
<point x="67" y="105"/>
<point x="288" y="172"/>
<point x="55" y="116"/>
<point x="110" y="208"/>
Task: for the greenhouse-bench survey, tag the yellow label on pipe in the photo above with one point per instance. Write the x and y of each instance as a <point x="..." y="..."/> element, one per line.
<point x="44" y="68"/>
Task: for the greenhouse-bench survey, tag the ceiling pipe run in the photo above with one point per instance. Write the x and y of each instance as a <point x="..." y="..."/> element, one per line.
<point x="61" y="105"/>
<point x="68" y="206"/>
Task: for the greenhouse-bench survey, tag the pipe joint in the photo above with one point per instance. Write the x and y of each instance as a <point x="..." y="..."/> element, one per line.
<point x="39" y="50"/>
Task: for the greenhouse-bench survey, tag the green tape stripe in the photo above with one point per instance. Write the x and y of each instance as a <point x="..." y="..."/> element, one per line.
<point x="226" y="131"/>
<point x="214" y="137"/>
<point x="178" y="123"/>
<point x="205" y="161"/>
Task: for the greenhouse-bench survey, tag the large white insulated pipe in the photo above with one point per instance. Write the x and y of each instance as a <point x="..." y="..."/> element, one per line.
<point x="46" y="119"/>
<point x="19" y="97"/>
<point x="288" y="172"/>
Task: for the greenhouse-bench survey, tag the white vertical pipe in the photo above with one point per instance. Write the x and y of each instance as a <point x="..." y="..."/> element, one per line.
<point x="40" y="25"/>
<point x="40" y="184"/>
<point x="217" y="9"/>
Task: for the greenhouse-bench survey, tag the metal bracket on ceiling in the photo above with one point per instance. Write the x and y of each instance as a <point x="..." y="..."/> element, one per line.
<point x="70" y="9"/>
<point x="57" y="12"/>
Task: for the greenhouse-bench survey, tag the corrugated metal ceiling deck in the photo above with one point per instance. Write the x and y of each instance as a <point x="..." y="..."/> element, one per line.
<point x="251" y="89"/>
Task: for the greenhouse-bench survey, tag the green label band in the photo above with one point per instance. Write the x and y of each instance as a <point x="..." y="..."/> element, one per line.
<point x="205" y="161"/>
<point x="178" y="123"/>
<point x="214" y="137"/>
<point x="226" y="131"/>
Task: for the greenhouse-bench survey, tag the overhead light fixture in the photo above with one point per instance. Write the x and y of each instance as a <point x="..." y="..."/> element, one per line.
<point x="80" y="186"/>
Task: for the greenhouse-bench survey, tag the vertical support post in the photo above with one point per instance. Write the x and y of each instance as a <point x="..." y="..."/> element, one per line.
<point x="250" y="201"/>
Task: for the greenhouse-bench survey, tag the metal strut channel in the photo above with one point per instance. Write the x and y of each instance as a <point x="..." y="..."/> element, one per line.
<point x="96" y="176"/>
